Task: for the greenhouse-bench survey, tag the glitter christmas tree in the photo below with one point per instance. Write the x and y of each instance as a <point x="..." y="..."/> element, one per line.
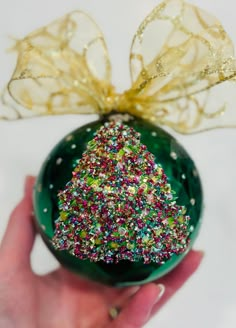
<point x="119" y="204"/>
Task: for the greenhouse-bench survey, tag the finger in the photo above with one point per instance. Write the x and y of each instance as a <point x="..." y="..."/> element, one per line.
<point x="123" y="296"/>
<point x="20" y="233"/>
<point x="176" y="278"/>
<point x="138" y="309"/>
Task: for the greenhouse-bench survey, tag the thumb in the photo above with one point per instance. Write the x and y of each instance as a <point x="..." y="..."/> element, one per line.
<point x="20" y="233"/>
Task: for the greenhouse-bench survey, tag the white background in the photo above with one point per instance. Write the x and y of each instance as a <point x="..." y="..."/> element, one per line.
<point x="208" y="300"/>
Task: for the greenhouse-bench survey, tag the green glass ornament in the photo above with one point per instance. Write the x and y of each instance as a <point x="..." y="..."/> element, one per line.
<point x="57" y="171"/>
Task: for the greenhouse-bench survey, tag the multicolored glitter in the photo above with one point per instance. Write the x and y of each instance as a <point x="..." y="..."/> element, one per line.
<point x="119" y="205"/>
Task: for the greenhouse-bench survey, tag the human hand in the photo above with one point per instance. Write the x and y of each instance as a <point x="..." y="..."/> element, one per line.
<point x="62" y="299"/>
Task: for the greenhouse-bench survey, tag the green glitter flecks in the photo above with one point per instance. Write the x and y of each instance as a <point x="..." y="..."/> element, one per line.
<point x="119" y="205"/>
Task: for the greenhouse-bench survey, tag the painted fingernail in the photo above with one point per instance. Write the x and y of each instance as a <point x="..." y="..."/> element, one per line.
<point x="114" y="312"/>
<point x="161" y="288"/>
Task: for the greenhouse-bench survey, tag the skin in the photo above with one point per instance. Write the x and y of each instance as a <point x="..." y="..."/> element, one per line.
<point x="61" y="299"/>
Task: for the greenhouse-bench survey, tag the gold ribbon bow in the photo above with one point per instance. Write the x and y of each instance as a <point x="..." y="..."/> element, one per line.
<point x="178" y="54"/>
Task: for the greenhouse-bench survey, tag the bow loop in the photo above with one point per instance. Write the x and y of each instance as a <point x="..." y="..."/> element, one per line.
<point x="179" y="53"/>
<point x="62" y="68"/>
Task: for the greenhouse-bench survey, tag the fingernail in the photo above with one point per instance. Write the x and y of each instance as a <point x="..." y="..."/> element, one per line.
<point x="28" y="184"/>
<point x="161" y="288"/>
<point x="202" y="253"/>
<point x="134" y="290"/>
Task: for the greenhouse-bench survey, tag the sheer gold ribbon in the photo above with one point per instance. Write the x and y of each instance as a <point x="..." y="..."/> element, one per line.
<point x="178" y="55"/>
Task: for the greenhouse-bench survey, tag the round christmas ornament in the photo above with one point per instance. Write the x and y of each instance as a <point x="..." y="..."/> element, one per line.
<point x="119" y="200"/>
